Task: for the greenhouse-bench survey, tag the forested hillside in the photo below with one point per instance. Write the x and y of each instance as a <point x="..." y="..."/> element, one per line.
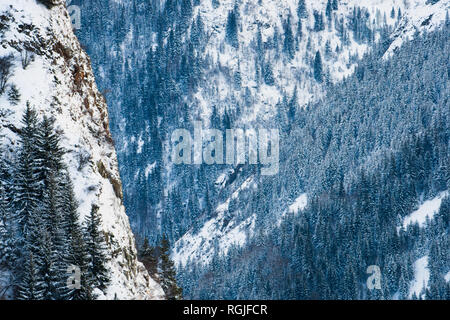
<point x="363" y="121"/>
<point x="368" y="154"/>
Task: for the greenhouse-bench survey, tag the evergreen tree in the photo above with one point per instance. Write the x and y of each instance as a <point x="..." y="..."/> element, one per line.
<point x="14" y="95"/>
<point x="52" y="210"/>
<point x="27" y="190"/>
<point x="393" y="13"/>
<point x="8" y="253"/>
<point x="288" y="45"/>
<point x="148" y="256"/>
<point x="96" y="250"/>
<point x="268" y="75"/>
<point x="329" y="10"/>
<point x="76" y="254"/>
<point x="335" y="4"/>
<point x="301" y="10"/>
<point x="318" y="71"/>
<point x="319" y="24"/>
<point x="167" y="272"/>
<point x="30" y="289"/>
<point x="232" y="29"/>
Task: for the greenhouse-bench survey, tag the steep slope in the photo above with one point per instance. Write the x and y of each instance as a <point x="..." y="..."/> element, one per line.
<point x="242" y="64"/>
<point x="289" y="75"/>
<point x="178" y="63"/>
<point x="373" y="158"/>
<point x="53" y="74"/>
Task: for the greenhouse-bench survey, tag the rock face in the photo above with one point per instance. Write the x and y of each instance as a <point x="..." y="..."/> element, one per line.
<point x="53" y="74"/>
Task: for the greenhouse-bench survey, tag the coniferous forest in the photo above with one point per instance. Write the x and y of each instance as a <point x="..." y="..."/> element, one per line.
<point x="39" y="222"/>
<point x="367" y="152"/>
<point x="93" y="204"/>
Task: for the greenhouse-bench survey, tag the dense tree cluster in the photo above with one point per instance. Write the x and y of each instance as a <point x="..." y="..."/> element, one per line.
<point x="151" y="89"/>
<point x="366" y="155"/>
<point x="160" y="266"/>
<point x="41" y="236"/>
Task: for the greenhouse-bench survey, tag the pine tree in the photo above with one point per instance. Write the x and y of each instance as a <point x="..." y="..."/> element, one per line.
<point x="32" y="278"/>
<point x="393" y="13"/>
<point x="268" y="75"/>
<point x="329" y="10"/>
<point x="319" y="24"/>
<point x="301" y="10"/>
<point x="52" y="210"/>
<point x="232" y="29"/>
<point x="167" y="272"/>
<point x="288" y="45"/>
<point x="14" y="95"/>
<point x="96" y="250"/>
<point x="76" y="248"/>
<point x="50" y="152"/>
<point x="335" y="4"/>
<point x="318" y="71"/>
<point x="8" y="253"/>
<point x="27" y="190"/>
<point x="29" y="288"/>
<point x="147" y="255"/>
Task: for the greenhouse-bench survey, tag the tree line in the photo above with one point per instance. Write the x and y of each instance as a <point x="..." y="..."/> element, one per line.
<point x="41" y="235"/>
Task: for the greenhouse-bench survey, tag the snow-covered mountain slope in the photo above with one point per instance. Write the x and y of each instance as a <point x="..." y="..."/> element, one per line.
<point x="53" y="74"/>
<point x="401" y="19"/>
<point x="339" y="51"/>
<point x="425" y="211"/>
<point x="421" y="16"/>
<point x="272" y="17"/>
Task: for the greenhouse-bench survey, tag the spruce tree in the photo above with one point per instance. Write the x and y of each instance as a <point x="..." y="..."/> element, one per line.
<point x="148" y="256"/>
<point x="7" y="237"/>
<point x="76" y="246"/>
<point x="232" y="29"/>
<point x="96" y="250"/>
<point x="288" y="44"/>
<point x="32" y="278"/>
<point x="52" y="208"/>
<point x="50" y="152"/>
<point x="318" y="71"/>
<point x="301" y="10"/>
<point x="30" y="287"/>
<point x="27" y="187"/>
<point x="167" y="272"/>
<point x="14" y="95"/>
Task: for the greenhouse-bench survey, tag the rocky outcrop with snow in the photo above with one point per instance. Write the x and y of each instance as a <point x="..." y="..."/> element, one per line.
<point x="421" y="16"/>
<point x="53" y="74"/>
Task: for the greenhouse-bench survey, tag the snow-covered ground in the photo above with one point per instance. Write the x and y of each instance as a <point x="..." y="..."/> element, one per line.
<point x="421" y="277"/>
<point x="219" y="233"/>
<point x="270" y="17"/>
<point x="421" y="17"/>
<point x="427" y="210"/>
<point x="59" y="82"/>
<point x="299" y="203"/>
